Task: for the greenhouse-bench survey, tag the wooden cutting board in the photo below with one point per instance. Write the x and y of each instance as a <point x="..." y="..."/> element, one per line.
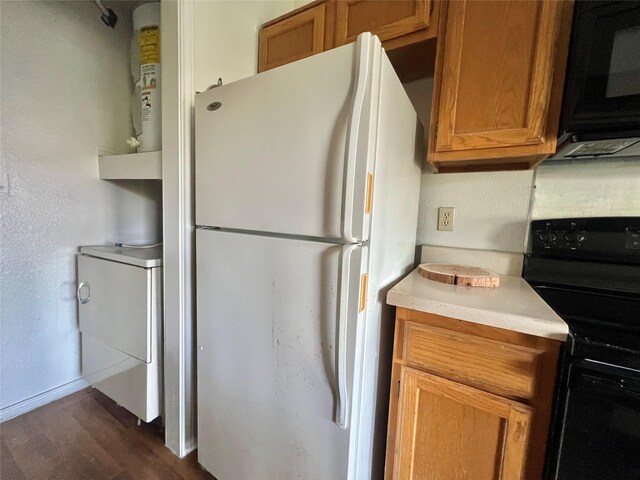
<point x="459" y="275"/>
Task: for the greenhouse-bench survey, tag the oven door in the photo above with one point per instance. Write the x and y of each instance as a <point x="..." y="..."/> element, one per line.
<point x="600" y="435"/>
<point x="603" y="80"/>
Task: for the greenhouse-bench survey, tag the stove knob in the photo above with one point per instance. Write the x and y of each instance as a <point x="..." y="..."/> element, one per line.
<point x="574" y="237"/>
<point x="547" y="236"/>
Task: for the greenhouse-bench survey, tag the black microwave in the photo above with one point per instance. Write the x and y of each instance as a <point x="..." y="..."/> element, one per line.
<point x="602" y="88"/>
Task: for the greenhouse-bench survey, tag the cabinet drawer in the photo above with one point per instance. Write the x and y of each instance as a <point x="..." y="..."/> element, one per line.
<point x="495" y="366"/>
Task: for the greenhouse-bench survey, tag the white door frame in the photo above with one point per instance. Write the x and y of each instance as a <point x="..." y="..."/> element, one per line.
<point x="178" y="225"/>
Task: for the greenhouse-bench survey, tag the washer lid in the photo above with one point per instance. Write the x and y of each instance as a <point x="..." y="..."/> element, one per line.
<point x="140" y="257"/>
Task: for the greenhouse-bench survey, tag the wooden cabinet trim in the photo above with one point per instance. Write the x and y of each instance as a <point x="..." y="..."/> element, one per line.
<point x="479" y="330"/>
<point x="295" y="12"/>
<point x="420" y="20"/>
<point x="419" y="36"/>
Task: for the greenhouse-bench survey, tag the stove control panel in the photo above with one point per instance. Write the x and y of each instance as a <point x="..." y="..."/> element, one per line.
<point x="569" y="237"/>
<point x="606" y="238"/>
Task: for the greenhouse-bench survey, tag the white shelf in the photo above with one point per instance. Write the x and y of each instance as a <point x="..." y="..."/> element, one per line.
<point x="132" y="166"/>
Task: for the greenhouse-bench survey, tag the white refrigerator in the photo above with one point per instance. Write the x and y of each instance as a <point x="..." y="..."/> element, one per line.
<point x="307" y="182"/>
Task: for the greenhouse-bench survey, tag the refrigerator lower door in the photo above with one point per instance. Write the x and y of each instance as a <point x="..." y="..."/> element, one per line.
<point x="305" y="127"/>
<point x="273" y="344"/>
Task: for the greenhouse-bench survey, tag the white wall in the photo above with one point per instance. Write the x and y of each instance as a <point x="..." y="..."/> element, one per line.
<point x="226" y="37"/>
<point x="587" y="188"/>
<point x="491" y="208"/>
<point x="65" y="89"/>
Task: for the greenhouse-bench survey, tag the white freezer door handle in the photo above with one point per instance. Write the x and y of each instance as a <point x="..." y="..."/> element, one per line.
<point x="349" y="187"/>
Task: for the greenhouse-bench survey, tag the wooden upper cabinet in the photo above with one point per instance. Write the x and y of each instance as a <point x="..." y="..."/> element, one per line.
<point x="324" y="24"/>
<point x="387" y="19"/>
<point x="498" y="84"/>
<point x="292" y="38"/>
<point x="449" y="430"/>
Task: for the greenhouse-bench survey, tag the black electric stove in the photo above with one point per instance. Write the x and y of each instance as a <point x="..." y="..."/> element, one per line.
<point x="588" y="271"/>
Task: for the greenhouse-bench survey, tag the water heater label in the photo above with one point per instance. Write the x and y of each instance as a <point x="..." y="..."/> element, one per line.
<point x="150" y="44"/>
<point x="149" y="74"/>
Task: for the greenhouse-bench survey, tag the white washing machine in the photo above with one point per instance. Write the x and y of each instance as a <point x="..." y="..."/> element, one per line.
<point x="120" y="308"/>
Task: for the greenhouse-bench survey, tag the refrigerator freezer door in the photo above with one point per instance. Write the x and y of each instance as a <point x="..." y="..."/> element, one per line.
<point x="115" y="304"/>
<point x="287" y="151"/>
<point x="268" y="355"/>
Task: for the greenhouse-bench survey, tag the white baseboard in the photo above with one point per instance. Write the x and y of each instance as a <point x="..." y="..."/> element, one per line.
<point x="31" y="403"/>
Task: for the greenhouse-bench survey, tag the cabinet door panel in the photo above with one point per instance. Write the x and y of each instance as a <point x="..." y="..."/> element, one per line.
<point x="116" y="305"/>
<point x="497" y="71"/>
<point x="386" y="19"/>
<point x="447" y="430"/>
<point x="292" y="39"/>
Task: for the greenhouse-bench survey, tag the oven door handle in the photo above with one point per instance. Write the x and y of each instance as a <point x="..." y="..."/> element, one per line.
<point x="631" y="387"/>
<point x="614" y="295"/>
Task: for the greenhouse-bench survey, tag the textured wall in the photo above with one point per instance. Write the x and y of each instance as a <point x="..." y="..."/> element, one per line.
<point x="587" y="188"/>
<point x="491" y="208"/>
<point x="65" y="89"/>
<point x="226" y="37"/>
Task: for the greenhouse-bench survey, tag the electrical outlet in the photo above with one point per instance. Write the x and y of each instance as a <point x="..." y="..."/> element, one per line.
<point x="445" y="218"/>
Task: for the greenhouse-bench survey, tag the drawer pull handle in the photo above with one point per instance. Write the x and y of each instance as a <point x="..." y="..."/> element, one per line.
<point x="83" y="299"/>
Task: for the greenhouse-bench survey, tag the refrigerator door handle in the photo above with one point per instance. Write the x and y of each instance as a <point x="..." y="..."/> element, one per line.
<point x="342" y="405"/>
<point x="357" y="106"/>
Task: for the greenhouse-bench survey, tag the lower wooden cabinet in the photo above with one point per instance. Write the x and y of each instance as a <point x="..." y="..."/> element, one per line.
<point x="450" y="418"/>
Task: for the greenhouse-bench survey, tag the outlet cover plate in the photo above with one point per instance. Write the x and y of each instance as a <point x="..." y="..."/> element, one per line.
<point x="445" y="218"/>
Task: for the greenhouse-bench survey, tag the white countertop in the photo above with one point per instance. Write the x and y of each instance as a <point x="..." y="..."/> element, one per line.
<point x="514" y="305"/>
<point x="139" y="257"/>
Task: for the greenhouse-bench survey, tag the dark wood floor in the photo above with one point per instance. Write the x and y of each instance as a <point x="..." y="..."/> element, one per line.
<point x="87" y="436"/>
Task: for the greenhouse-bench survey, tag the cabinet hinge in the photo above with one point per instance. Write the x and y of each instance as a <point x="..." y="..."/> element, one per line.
<point x="398" y="389"/>
<point x="431" y="7"/>
<point x="436" y="130"/>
